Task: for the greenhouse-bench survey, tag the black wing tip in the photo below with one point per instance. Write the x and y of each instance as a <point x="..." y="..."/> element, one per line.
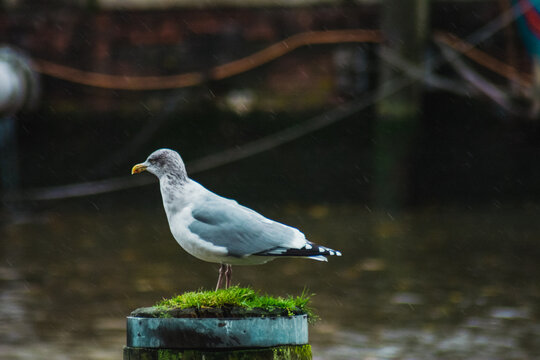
<point x="321" y="250"/>
<point x="309" y="250"/>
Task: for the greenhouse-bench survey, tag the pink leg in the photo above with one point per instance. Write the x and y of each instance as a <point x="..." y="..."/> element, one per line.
<point x="228" y="276"/>
<point x="222" y="270"/>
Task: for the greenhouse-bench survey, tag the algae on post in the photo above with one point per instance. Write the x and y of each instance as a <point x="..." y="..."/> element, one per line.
<point x="233" y="302"/>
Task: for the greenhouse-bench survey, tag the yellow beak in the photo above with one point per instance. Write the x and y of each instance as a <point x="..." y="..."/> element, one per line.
<point x="138" y="169"/>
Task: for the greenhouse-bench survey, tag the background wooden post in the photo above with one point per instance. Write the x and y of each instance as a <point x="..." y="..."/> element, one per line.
<point x="405" y="28"/>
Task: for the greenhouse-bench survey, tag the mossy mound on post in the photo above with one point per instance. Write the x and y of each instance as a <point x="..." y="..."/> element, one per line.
<point x="235" y="302"/>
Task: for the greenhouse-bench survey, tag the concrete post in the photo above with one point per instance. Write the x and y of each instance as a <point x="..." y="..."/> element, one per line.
<point x="254" y="338"/>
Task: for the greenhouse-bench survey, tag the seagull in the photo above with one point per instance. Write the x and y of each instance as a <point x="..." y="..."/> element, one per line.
<point x="219" y="230"/>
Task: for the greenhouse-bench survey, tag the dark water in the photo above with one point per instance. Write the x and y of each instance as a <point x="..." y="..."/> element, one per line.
<point x="452" y="283"/>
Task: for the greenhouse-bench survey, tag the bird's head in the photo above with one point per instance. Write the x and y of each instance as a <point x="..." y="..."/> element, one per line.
<point x="162" y="162"/>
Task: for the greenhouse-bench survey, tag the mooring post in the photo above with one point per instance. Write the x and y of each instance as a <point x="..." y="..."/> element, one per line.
<point x="19" y="89"/>
<point x="405" y="28"/>
<point x="168" y="337"/>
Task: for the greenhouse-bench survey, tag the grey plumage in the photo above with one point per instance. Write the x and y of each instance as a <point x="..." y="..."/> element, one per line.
<point x="225" y="223"/>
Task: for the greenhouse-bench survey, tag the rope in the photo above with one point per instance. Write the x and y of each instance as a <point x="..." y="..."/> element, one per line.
<point x="124" y="82"/>
<point x="208" y="162"/>
<point x="144" y="134"/>
<point x="478" y="81"/>
<point x="266" y="143"/>
<point x="482" y="58"/>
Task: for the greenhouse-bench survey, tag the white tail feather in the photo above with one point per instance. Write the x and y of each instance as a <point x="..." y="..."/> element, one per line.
<point x="318" y="258"/>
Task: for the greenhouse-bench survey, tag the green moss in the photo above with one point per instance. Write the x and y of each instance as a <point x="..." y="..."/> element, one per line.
<point x="286" y="352"/>
<point x="293" y="352"/>
<point x="167" y="354"/>
<point x="238" y="297"/>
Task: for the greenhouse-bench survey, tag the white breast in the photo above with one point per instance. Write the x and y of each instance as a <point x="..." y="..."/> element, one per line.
<point x="192" y="243"/>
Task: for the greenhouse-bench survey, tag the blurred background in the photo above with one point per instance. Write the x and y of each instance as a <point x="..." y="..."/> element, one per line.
<point x="404" y="133"/>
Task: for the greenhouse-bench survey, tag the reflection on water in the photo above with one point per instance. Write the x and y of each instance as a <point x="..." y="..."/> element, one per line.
<point x="433" y="283"/>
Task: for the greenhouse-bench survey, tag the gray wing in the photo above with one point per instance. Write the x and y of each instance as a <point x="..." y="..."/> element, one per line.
<point x="242" y="231"/>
